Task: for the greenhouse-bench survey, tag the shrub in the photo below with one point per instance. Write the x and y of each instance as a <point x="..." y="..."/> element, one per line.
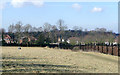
<point x="76" y="49"/>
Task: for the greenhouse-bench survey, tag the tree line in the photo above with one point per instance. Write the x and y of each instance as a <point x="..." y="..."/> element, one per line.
<point x="50" y="33"/>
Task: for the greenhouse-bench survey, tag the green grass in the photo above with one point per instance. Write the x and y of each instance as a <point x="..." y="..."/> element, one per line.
<point x="46" y="60"/>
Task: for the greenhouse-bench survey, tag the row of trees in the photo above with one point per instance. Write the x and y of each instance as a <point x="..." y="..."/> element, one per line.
<point x="50" y="33"/>
<point x="19" y="27"/>
<point x="20" y="30"/>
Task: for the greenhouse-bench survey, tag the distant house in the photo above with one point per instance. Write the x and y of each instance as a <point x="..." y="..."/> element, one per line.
<point x="107" y="43"/>
<point x="61" y="40"/>
<point x="30" y="39"/>
<point x="8" y="39"/>
<point x="68" y="41"/>
<point x="22" y="40"/>
<point x="115" y="42"/>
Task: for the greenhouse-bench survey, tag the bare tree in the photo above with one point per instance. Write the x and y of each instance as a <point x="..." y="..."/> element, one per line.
<point x="18" y="27"/>
<point x="27" y="28"/>
<point x="54" y="27"/>
<point x="75" y="28"/>
<point x="47" y="27"/>
<point x="101" y="29"/>
<point x="18" y="30"/>
<point x="61" y="25"/>
<point x="80" y="28"/>
<point x="97" y="29"/>
<point x="11" y="28"/>
<point x="34" y="29"/>
<point x="55" y="33"/>
<point x="40" y="29"/>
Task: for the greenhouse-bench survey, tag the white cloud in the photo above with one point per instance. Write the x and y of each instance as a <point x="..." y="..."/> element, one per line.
<point x="21" y="3"/>
<point x="76" y="6"/>
<point x="17" y="3"/>
<point x="96" y="9"/>
<point x="38" y="3"/>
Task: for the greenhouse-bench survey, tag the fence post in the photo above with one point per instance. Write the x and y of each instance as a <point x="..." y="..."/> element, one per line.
<point x="91" y="45"/>
<point x="85" y="46"/>
<point x="112" y="49"/>
<point x="94" y="47"/>
<point x="80" y="45"/>
<point x="98" y="46"/>
<point x="107" y="48"/>
<point x="102" y="47"/>
<point x="118" y="49"/>
<point x="88" y="46"/>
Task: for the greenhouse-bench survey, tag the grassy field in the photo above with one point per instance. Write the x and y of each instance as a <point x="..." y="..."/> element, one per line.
<point x="46" y="60"/>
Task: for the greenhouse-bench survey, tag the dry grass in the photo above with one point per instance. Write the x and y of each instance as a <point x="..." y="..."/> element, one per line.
<point x="46" y="60"/>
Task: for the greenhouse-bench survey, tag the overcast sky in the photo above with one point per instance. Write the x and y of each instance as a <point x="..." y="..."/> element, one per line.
<point x="88" y="15"/>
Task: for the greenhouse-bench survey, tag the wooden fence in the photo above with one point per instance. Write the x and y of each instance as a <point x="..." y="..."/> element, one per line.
<point x="102" y="48"/>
